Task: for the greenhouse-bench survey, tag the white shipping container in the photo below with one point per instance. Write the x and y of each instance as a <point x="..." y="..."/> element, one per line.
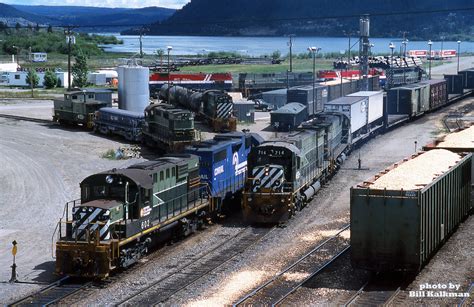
<point x="354" y="107"/>
<point x="375" y="103"/>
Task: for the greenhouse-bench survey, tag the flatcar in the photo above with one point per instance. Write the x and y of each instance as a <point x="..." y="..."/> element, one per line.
<point x="127" y="124"/>
<point x="79" y="107"/>
<point x="169" y="128"/>
<point x="284" y="174"/>
<point x="216" y="107"/>
<point x="223" y="162"/>
<point x="124" y="212"/>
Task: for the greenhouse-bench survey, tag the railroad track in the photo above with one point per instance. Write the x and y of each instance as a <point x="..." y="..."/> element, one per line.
<point x="53" y="294"/>
<point x="278" y="288"/>
<point x="162" y="290"/>
<point x="379" y="290"/>
<point x="29" y="119"/>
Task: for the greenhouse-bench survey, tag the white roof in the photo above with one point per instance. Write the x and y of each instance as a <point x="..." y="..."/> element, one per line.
<point x="366" y="93"/>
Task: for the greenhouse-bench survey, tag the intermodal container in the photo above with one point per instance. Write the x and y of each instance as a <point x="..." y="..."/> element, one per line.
<point x="400" y="230"/>
<point x="304" y="95"/>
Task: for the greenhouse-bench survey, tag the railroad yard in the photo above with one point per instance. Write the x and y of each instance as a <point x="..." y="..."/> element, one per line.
<point x="147" y="185"/>
<point x="62" y="157"/>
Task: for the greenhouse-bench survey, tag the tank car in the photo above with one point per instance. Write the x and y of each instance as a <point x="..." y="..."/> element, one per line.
<point x="215" y="106"/>
<point x="124" y="212"/>
<point x="284" y="174"/>
<point x="169" y="128"/>
<point x="79" y="107"/>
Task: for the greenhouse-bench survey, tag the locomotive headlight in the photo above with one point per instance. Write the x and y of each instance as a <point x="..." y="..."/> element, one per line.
<point x="249" y="199"/>
<point x="109" y="179"/>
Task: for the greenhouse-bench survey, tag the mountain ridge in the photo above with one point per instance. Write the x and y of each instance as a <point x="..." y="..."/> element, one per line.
<point x="306" y="17"/>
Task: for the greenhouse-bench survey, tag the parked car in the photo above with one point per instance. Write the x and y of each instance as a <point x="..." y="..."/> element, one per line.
<point x="261" y="105"/>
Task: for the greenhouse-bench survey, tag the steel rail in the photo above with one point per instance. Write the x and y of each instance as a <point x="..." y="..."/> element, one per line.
<point x="274" y="278"/>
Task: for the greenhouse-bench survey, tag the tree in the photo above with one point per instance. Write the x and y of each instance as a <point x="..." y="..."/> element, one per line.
<point x="37" y="28"/>
<point x="30" y="28"/>
<point x="79" y="71"/>
<point x="160" y="53"/>
<point x="50" y="29"/>
<point x="276" y="54"/>
<point x="32" y="79"/>
<point x="17" y="26"/>
<point x="50" y="79"/>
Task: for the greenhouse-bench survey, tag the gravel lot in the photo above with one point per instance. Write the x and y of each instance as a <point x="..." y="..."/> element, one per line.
<point x="44" y="165"/>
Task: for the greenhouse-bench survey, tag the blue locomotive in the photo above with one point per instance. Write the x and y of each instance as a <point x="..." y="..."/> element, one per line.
<point x="223" y="162"/>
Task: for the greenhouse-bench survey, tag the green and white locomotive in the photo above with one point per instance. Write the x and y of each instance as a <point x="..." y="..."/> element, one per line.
<point x="168" y="127"/>
<point x="79" y="107"/>
<point x="122" y="211"/>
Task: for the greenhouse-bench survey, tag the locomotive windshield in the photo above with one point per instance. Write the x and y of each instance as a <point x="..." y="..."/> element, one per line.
<point x="106" y="187"/>
<point x="274" y="156"/>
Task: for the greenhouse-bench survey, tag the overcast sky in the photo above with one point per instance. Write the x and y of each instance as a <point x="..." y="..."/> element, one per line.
<point x="176" y="4"/>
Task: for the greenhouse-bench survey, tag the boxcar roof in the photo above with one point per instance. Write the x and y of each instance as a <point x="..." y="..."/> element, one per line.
<point x="346" y="100"/>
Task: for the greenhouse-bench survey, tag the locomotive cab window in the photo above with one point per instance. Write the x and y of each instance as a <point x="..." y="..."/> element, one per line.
<point x="162" y="177"/>
<point x="167" y="173"/>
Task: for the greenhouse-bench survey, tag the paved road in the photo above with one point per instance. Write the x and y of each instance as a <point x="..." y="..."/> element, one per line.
<point x="450" y="67"/>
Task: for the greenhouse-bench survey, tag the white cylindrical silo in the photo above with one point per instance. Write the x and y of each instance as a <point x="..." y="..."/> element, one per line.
<point x="135" y="93"/>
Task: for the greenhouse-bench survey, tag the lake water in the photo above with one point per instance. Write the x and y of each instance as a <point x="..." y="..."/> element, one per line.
<point x="256" y="46"/>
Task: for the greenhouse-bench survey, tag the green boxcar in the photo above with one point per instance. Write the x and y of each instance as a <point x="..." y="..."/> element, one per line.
<point x="400" y="230"/>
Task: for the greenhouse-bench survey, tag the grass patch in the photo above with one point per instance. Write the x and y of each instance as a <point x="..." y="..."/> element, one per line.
<point x="109" y="155"/>
<point x="299" y="65"/>
<point x="26" y="94"/>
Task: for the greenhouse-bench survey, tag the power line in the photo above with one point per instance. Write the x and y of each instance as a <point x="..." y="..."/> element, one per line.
<point x="247" y="20"/>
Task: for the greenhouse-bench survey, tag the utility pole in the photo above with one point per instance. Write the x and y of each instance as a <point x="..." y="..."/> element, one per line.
<point x="290" y="44"/>
<point x="70" y="39"/>
<point x="314" y="51"/>
<point x="430" y="43"/>
<point x="459" y="53"/>
<point x="364" y="24"/>
<point x="141" y="43"/>
<point x="169" y="48"/>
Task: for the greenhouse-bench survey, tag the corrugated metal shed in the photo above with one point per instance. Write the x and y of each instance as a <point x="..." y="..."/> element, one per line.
<point x="288" y="117"/>
<point x="244" y="110"/>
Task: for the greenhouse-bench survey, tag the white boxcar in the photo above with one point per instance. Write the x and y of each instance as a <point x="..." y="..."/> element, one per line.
<point x="355" y="108"/>
<point x="375" y="104"/>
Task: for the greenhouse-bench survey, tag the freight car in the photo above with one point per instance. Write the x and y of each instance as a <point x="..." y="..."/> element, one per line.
<point x="195" y="81"/>
<point x="402" y="216"/>
<point x="119" y="122"/>
<point x="216" y="107"/>
<point x="223" y="162"/>
<point x="285" y="173"/>
<point x="169" y="128"/>
<point x="123" y="212"/>
<point x="459" y="141"/>
<point x="410" y="100"/>
<point x="79" y="107"/>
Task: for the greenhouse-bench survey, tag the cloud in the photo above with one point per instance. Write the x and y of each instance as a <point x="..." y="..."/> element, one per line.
<point x="176" y="4"/>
